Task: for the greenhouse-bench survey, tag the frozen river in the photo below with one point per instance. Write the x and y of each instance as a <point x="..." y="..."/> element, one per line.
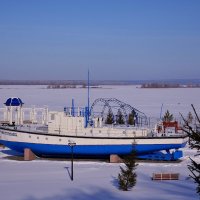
<point x="149" y="101"/>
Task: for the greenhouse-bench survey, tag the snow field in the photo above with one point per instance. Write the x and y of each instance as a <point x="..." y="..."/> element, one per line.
<point x="44" y="179"/>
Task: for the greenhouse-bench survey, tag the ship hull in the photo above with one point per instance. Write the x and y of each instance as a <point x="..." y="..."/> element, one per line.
<point x="57" y="145"/>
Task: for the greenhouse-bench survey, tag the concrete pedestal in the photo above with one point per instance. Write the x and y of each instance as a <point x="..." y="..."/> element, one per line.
<point x="29" y="155"/>
<point x="114" y="158"/>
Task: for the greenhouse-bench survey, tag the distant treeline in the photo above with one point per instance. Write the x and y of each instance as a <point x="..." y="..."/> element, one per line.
<point x="177" y="83"/>
<point x="42" y="82"/>
<point x="70" y="86"/>
<point x="168" y="85"/>
<point x="63" y="82"/>
<point x="60" y="86"/>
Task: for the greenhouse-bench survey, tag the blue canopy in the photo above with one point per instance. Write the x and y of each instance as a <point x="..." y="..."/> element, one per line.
<point x="14" y="101"/>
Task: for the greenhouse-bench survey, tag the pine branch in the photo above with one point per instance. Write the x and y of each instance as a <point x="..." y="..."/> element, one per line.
<point x="195" y="143"/>
<point x="194" y="135"/>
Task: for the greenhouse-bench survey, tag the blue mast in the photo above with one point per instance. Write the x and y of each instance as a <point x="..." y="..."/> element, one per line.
<point x="161" y="111"/>
<point x="87" y="108"/>
<point x="73" y="108"/>
<point x="88" y="94"/>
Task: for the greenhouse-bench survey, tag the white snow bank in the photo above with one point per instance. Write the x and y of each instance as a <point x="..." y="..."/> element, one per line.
<point x="49" y="180"/>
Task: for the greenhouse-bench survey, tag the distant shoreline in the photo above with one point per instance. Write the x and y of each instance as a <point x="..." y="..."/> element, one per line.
<point x="168" y="85"/>
<point x="182" y="82"/>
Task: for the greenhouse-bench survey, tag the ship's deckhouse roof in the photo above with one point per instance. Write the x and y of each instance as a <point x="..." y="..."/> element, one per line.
<point x="14" y="101"/>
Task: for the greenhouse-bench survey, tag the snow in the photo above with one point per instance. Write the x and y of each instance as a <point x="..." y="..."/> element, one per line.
<point x="148" y="101"/>
<point x="43" y="179"/>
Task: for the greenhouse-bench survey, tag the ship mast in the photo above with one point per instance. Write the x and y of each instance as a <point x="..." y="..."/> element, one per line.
<point x="87" y="109"/>
<point x="88" y="94"/>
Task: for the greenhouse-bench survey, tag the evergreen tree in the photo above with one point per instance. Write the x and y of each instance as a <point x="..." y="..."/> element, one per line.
<point x="194" y="134"/>
<point x="168" y="117"/>
<point x="120" y="118"/>
<point x="127" y="176"/>
<point x="131" y="119"/>
<point x="110" y="118"/>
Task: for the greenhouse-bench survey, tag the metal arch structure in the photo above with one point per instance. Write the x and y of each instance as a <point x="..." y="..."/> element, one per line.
<point x="112" y="104"/>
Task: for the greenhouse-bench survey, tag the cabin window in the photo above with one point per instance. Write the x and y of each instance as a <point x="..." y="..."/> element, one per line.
<point x="29" y="136"/>
<point x="52" y="116"/>
<point x="60" y="140"/>
<point x="37" y="137"/>
<point x="46" y="138"/>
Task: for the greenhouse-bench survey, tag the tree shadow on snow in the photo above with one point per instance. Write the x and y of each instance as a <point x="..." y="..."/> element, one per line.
<point x="115" y="182"/>
<point x="97" y="194"/>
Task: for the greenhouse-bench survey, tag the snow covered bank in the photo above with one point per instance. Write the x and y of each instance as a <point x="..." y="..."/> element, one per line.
<point x="49" y="180"/>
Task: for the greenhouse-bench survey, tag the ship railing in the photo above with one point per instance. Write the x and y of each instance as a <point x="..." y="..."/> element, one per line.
<point x="102" y="132"/>
<point x="28" y="128"/>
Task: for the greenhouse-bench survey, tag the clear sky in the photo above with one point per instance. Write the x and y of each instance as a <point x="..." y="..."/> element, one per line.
<point x="115" y="39"/>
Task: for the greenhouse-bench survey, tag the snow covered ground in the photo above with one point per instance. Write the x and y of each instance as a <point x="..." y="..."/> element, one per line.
<point x="49" y="180"/>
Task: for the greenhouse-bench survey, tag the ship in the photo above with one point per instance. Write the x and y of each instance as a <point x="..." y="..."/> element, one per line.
<point x="91" y="133"/>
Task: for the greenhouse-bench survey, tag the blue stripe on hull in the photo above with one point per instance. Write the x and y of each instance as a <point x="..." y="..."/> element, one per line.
<point x="49" y="149"/>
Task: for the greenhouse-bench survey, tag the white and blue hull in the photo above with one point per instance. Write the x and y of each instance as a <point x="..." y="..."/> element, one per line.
<point x="57" y="145"/>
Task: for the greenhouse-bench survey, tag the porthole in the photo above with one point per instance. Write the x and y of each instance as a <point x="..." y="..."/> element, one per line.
<point x="29" y="136"/>
<point x="46" y="138"/>
<point x="99" y="131"/>
<point x="37" y="137"/>
<point x="60" y="140"/>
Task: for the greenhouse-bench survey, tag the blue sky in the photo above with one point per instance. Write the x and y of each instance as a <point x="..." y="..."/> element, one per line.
<point x="115" y="39"/>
